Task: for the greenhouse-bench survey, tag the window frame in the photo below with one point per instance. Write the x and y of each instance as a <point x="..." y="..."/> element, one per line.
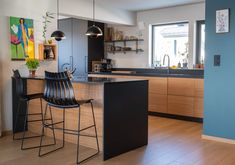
<point x="198" y="40"/>
<point x="152" y="36"/>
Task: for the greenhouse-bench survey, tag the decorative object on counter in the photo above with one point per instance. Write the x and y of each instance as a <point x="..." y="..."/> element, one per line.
<point x="46" y="20"/>
<point x="222" y="21"/>
<point x="94" y="31"/>
<point x="109" y="33"/>
<point x="58" y="35"/>
<point x="22" y="38"/>
<point x="32" y="65"/>
<point x="104" y="65"/>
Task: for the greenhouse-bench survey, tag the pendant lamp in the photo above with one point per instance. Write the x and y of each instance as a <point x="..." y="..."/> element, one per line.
<point x="58" y="35"/>
<point x="94" y="31"/>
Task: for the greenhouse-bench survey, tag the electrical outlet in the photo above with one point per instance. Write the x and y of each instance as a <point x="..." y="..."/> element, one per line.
<point x="216" y="60"/>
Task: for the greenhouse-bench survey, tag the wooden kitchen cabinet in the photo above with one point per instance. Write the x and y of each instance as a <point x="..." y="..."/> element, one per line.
<point x="198" y="107"/>
<point x="177" y="96"/>
<point x="199" y="88"/>
<point x="199" y="98"/>
<point x="180" y="105"/>
<point x="181" y="86"/>
<point x="157" y="103"/>
<point x="157" y="85"/>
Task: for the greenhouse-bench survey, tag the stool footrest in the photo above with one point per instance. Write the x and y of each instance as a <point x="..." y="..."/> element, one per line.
<point x="34" y="120"/>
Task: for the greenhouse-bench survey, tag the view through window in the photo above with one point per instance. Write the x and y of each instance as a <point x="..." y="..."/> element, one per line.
<point x="172" y="40"/>
<point x="200" y="52"/>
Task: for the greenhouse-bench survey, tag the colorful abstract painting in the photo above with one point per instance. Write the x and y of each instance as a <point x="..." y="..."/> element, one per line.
<point x="22" y="38"/>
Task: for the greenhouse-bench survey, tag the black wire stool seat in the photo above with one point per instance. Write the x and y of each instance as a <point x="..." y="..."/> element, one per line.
<point x="25" y="98"/>
<point x="59" y="93"/>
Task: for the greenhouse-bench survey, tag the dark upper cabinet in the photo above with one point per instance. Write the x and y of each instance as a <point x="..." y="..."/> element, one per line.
<point x="95" y="46"/>
<point x="78" y="51"/>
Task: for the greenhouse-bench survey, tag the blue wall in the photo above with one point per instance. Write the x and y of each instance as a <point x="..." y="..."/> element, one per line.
<point x="219" y="105"/>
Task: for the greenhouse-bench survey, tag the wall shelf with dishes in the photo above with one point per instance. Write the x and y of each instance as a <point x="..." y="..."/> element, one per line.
<point x="47" y="51"/>
<point x="113" y="47"/>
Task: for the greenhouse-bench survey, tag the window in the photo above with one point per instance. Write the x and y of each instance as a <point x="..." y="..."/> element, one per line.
<point x="170" y="39"/>
<point x="200" y="47"/>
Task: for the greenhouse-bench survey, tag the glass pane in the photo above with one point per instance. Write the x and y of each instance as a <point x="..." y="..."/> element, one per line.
<point x="202" y="44"/>
<point x="171" y="40"/>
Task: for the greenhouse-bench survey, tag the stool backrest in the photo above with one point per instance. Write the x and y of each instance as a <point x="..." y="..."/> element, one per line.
<point x="58" y="88"/>
<point x="18" y="82"/>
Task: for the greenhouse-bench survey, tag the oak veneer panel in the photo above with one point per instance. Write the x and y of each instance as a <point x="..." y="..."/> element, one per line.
<point x="198" y="107"/>
<point x="157" y="85"/>
<point x="157" y="103"/>
<point x="180" y="105"/>
<point x="181" y="86"/>
<point x="199" y="88"/>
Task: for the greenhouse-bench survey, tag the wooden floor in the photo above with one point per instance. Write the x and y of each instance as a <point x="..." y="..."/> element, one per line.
<point x="171" y="142"/>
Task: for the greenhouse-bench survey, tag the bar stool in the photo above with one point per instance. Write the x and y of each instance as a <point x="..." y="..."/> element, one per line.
<point x="24" y="98"/>
<point x="59" y="93"/>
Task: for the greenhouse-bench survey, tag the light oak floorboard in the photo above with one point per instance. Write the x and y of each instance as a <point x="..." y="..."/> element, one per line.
<point x="171" y="142"/>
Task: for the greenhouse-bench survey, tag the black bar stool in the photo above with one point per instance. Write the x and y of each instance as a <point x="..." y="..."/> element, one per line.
<point x="59" y="93"/>
<point x="24" y="98"/>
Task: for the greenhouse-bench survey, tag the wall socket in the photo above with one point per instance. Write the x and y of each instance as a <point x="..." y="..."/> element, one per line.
<point x="216" y="60"/>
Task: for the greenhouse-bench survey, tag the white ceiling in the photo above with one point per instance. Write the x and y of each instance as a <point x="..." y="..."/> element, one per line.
<point x="137" y="5"/>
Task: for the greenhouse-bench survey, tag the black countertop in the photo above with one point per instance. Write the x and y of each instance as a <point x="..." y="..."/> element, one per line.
<point x="89" y="79"/>
<point x="180" y="73"/>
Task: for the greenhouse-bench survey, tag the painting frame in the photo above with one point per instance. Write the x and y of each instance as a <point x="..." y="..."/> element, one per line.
<point x="22" y="43"/>
<point x="222" y="21"/>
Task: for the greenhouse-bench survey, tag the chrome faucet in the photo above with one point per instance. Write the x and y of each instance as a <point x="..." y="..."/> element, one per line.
<point x="168" y="66"/>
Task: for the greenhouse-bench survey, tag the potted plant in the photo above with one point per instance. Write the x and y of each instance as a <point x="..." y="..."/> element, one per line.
<point x="32" y="64"/>
<point x="46" y="20"/>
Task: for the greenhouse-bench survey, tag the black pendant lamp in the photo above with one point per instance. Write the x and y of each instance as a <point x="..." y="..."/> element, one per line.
<point x="94" y="31"/>
<point x="58" y="35"/>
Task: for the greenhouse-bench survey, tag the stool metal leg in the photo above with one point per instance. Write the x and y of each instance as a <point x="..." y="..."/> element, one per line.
<point x="25" y="125"/>
<point x="96" y="135"/>
<point x="16" y="121"/>
<point x="51" y="126"/>
<point x="79" y="130"/>
<point x="79" y="119"/>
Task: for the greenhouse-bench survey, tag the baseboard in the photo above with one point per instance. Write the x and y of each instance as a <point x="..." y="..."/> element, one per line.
<point x="218" y="139"/>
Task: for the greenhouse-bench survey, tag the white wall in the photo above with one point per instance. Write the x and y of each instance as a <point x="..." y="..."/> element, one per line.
<point x="83" y="9"/>
<point x="190" y="13"/>
<point x="32" y="9"/>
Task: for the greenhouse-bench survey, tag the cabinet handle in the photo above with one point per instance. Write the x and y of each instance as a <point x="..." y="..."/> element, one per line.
<point x="86" y="64"/>
<point x="71" y="62"/>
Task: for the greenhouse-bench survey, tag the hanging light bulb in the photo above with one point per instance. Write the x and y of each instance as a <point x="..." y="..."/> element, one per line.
<point x="94" y="31"/>
<point x="58" y="35"/>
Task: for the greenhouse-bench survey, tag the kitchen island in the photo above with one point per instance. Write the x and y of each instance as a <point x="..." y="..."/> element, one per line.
<point x="121" y="112"/>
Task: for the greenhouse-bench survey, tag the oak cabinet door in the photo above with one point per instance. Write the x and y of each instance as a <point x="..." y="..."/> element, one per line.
<point x="180" y="105"/>
<point x="157" y="103"/>
<point x="181" y="86"/>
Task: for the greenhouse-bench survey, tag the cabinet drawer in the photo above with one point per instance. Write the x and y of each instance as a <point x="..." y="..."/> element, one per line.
<point x="181" y="86"/>
<point x="157" y="103"/>
<point x="157" y="85"/>
<point x="180" y="105"/>
<point x="198" y="107"/>
<point x="199" y="87"/>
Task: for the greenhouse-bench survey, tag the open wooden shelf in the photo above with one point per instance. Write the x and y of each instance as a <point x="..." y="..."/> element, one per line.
<point x="47" y="51"/>
<point x="112" y="45"/>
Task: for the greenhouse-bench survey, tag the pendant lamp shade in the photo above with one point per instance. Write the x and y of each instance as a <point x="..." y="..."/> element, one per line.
<point x="94" y="31"/>
<point x="58" y="35"/>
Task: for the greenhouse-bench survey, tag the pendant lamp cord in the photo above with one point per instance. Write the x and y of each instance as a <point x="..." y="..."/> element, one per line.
<point x="93" y="12"/>
<point x="57" y="14"/>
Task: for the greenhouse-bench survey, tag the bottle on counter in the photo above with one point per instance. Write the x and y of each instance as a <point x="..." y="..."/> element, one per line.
<point x="179" y="65"/>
